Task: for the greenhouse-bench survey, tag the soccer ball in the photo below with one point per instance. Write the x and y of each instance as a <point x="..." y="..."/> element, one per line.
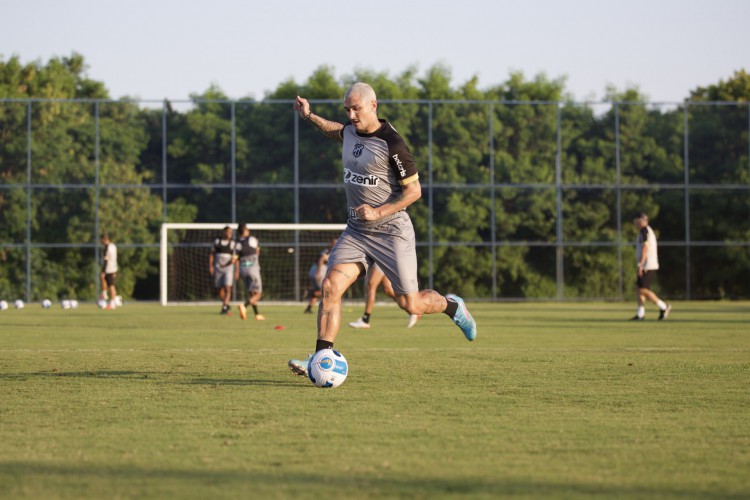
<point x="46" y="303"/>
<point x="3" y="305"/>
<point x="65" y="304"/>
<point x="328" y="368"/>
<point x="73" y="304"/>
<point x="19" y="304"/>
<point x="102" y="303"/>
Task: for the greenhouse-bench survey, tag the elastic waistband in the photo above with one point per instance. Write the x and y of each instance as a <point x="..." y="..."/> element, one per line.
<point x="374" y="223"/>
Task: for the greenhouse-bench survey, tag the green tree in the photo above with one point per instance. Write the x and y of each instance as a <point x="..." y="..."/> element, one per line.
<point x="718" y="153"/>
<point x="463" y="139"/>
<point x="64" y="160"/>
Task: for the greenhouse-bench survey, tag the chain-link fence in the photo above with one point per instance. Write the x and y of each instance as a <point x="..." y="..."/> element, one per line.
<point x="521" y="200"/>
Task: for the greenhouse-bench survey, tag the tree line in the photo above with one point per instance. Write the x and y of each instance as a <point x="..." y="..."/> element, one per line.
<point x="488" y="160"/>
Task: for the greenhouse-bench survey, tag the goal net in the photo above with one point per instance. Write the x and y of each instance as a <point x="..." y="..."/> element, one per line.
<point x="287" y="253"/>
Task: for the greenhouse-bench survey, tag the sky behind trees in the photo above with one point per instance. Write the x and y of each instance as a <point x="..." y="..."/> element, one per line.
<point x="173" y="48"/>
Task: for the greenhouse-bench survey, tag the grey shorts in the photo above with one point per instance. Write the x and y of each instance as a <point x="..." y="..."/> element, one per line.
<point x="392" y="246"/>
<point x="223" y="276"/>
<point x="251" y="277"/>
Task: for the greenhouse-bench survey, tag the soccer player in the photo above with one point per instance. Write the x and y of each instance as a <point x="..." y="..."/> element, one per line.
<point x="316" y="274"/>
<point x="221" y="266"/>
<point x="374" y="278"/>
<point x="380" y="181"/>
<point x="248" y="251"/>
<point x="647" y="257"/>
<point x="109" y="271"/>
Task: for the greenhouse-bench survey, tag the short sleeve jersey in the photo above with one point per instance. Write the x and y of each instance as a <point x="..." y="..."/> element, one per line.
<point x="646" y="235"/>
<point x="247" y="249"/>
<point x="223" y="251"/>
<point x="376" y="166"/>
<point x="110" y="258"/>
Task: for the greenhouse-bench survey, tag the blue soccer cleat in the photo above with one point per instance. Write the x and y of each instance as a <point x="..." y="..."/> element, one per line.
<point x="463" y="318"/>
<point x="299" y="366"/>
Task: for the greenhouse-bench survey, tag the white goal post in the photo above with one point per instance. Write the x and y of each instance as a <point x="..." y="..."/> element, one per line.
<point x="287" y="253"/>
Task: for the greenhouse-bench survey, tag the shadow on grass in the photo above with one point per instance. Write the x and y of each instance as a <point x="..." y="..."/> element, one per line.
<point x="142" y="375"/>
<point x="626" y="320"/>
<point x="272" y="479"/>
<point x="240" y="381"/>
<point x="136" y="375"/>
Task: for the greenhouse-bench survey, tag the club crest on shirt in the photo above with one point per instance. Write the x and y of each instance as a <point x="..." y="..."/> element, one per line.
<point x="357" y="151"/>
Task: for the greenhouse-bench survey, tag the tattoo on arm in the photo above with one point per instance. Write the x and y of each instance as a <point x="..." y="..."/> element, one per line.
<point x="330" y="129"/>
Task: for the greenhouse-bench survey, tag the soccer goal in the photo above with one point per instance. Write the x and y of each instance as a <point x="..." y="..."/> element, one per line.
<point x="287" y="253"/>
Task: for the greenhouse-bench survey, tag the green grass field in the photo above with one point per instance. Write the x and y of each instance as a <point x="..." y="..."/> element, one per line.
<point x="551" y="401"/>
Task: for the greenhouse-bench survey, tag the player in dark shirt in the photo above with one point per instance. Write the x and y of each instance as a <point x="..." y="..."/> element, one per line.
<point x="221" y="266"/>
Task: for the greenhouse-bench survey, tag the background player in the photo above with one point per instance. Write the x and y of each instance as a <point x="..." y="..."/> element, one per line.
<point x="248" y="252"/>
<point x="109" y="272"/>
<point x="646" y="254"/>
<point x="374" y="278"/>
<point x="317" y="273"/>
<point x="221" y="266"/>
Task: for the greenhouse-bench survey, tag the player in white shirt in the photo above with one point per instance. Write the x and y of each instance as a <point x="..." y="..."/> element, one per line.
<point x="109" y="272"/>
<point x="647" y="257"/>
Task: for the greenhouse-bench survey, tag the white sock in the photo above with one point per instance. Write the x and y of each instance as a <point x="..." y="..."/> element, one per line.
<point x="661" y="305"/>
<point x="641" y="311"/>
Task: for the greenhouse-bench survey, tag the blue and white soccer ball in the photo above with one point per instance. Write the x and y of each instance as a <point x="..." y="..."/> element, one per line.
<point x="19" y="304"/>
<point x="46" y="303"/>
<point x="328" y="368"/>
<point x="3" y="305"/>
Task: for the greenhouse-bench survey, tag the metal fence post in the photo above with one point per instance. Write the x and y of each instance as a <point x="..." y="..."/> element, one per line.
<point x="97" y="188"/>
<point x="560" y="262"/>
<point x="493" y="229"/>
<point x="234" y="166"/>
<point x="297" y="288"/>
<point x="430" y="190"/>
<point x="28" y="202"/>
<point x="687" y="201"/>
<point x="618" y="194"/>
<point x="165" y="215"/>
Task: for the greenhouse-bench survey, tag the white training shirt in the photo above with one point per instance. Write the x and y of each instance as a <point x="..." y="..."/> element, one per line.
<point x="110" y="259"/>
<point x="647" y="235"/>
